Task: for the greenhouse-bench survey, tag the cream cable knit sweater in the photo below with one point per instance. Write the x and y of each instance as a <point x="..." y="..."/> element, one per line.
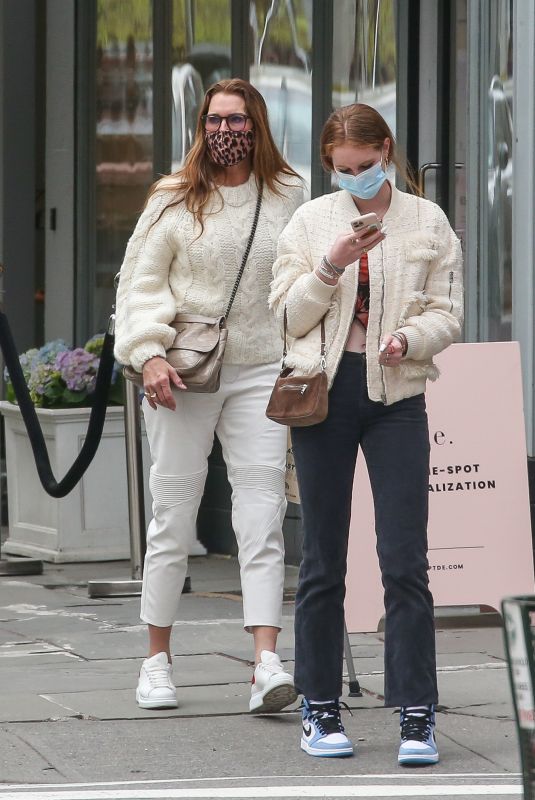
<point x="169" y="268"/>
<point x="415" y="287"/>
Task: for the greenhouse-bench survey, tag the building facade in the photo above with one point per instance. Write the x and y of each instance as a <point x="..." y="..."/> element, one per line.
<point x="99" y="97"/>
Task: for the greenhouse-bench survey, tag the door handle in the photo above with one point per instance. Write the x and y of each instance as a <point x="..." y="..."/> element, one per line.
<point x="424" y="169"/>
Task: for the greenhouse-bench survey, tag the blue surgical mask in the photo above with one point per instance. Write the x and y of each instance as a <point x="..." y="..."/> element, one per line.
<point x="366" y="184"/>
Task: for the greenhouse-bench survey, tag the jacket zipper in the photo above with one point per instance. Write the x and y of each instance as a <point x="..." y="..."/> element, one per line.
<point x="449" y="295"/>
<point x="383" y="395"/>
<point x="298" y="387"/>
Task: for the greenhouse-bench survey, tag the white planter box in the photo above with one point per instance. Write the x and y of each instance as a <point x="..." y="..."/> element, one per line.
<point x="90" y="523"/>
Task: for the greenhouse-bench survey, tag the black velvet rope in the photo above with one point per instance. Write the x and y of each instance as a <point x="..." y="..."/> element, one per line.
<point x="96" y="420"/>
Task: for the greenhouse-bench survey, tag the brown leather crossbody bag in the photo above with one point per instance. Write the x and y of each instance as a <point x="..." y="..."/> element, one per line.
<point x="299" y="400"/>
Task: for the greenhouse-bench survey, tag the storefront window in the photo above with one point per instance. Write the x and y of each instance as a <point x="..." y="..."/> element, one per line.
<point x="364" y="56"/>
<point x="497" y="267"/>
<point x="281" y="71"/>
<point x="201" y="56"/>
<point x="458" y="120"/>
<point x="124" y="144"/>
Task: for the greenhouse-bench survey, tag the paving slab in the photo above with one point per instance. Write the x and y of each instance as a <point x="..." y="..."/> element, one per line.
<point x="482" y="640"/>
<point x="29" y="707"/>
<point x="19" y="597"/>
<point x="57" y="626"/>
<point x="234" y="746"/>
<point x="189" y="637"/>
<point x="86" y="676"/>
<point x="368" y="664"/>
<point x="9" y="638"/>
<point x="77" y="676"/>
<point x="497" y="743"/>
<point x="488" y="711"/>
<point x="40" y="654"/>
<point x="120" y="704"/>
<point x="366" y="639"/>
<point x="19" y="762"/>
<point x="458" y="689"/>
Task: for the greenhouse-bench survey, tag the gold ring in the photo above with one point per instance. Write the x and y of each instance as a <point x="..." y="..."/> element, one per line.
<point x="364" y="249"/>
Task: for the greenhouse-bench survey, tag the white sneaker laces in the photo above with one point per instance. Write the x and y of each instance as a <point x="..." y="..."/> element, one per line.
<point x="158" y="676"/>
<point x="272" y="668"/>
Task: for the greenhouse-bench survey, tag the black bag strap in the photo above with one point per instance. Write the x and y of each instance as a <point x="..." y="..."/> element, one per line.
<point x="285" y="347"/>
<point x="248" y="248"/>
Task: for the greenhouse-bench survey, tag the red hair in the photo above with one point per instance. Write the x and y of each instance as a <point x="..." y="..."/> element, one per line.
<point x="362" y="126"/>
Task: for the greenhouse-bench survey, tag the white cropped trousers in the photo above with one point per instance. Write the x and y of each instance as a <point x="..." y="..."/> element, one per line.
<point x="254" y="449"/>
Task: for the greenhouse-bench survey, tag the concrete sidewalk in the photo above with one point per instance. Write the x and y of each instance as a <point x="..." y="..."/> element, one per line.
<point x="69" y="666"/>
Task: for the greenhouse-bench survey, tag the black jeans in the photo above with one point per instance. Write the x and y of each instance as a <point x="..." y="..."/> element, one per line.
<point x="395" y="443"/>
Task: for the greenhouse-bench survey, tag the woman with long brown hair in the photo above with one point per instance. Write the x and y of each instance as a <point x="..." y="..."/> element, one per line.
<point x="184" y="256"/>
<point x="390" y="301"/>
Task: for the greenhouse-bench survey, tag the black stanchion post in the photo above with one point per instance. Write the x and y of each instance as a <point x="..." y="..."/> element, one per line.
<point x="354" y="685"/>
<point x="518" y="620"/>
<point x="13" y="566"/>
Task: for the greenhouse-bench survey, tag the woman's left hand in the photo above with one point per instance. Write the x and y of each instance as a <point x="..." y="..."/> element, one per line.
<point x="391" y="352"/>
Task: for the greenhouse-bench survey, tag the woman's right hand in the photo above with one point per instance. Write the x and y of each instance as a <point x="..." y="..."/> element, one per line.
<point x="348" y="247"/>
<point x="158" y="375"/>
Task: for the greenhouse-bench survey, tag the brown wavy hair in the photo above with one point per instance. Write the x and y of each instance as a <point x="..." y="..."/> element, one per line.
<point x="195" y="182"/>
<point x="363" y="126"/>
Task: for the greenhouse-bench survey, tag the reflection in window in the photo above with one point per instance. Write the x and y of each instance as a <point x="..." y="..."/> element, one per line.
<point x="364" y="56"/>
<point x="123" y="136"/>
<point x="201" y="56"/>
<point x="281" y="62"/>
<point x="499" y="80"/>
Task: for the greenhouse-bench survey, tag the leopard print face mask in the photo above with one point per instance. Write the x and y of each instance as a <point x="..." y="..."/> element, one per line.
<point x="227" y="148"/>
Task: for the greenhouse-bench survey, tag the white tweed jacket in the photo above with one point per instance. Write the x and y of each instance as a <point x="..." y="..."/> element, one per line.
<point x="415" y="287"/>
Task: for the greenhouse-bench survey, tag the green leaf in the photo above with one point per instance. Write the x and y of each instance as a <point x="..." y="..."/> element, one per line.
<point x="74" y="398"/>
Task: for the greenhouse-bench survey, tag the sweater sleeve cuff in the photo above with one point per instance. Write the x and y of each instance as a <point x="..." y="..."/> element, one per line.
<point x="139" y="355"/>
<point x="415" y="341"/>
<point x="317" y="290"/>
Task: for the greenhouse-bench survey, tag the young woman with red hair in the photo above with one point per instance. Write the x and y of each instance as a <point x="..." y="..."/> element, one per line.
<point x="391" y="299"/>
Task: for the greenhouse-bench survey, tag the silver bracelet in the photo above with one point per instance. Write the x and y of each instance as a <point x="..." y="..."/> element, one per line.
<point x="327" y="273"/>
<point x="337" y="270"/>
<point x="402" y="339"/>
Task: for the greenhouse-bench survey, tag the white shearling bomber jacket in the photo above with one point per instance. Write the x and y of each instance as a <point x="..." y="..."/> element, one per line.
<point x="415" y="287"/>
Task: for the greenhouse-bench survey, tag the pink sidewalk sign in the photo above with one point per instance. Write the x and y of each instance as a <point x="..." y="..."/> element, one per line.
<point x="480" y="546"/>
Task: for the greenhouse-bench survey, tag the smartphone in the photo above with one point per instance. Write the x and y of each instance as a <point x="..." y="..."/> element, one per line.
<point x="366" y="222"/>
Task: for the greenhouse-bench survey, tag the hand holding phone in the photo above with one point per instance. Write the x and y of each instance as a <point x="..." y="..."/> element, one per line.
<point x="366" y="233"/>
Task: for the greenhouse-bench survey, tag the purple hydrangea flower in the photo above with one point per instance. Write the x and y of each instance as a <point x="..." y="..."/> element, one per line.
<point x="78" y="369"/>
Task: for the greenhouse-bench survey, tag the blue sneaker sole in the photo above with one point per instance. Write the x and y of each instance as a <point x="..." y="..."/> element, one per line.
<point x="418" y="760"/>
<point x="342" y="753"/>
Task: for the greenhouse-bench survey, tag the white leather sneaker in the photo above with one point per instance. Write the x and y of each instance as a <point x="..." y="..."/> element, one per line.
<point x="272" y="688"/>
<point x="155" y="688"/>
